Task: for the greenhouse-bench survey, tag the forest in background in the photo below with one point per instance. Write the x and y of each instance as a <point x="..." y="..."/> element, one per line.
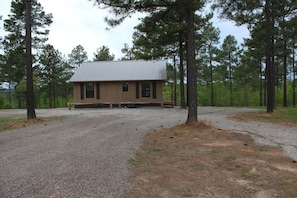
<point x="228" y="73"/>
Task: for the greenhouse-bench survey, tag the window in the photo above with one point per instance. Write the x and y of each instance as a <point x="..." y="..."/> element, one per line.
<point x="97" y="90"/>
<point x="82" y="93"/>
<point x="146" y="89"/>
<point x="125" y="87"/>
<point x="137" y="90"/>
<point x="90" y="90"/>
<point x="154" y="89"/>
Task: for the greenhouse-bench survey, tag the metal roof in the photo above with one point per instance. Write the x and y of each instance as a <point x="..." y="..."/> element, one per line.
<point x="120" y="71"/>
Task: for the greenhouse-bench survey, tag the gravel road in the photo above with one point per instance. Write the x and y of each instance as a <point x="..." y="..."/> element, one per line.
<point x="86" y="154"/>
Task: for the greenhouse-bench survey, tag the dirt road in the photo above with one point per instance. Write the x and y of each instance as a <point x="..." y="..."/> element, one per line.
<point x="86" y="154"/>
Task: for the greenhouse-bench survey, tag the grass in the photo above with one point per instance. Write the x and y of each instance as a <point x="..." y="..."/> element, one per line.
<point x="292" y="113"/>
<point x="229" y="158"/>
<point x="282" y="115"/>
<point x="186" y="193"/>
<point x="285" y="116"/>
<point x="133" y="162"/>
<point x="7" y="123"/>
<point x="251" y="176"/>
<point x="10" y="122"/>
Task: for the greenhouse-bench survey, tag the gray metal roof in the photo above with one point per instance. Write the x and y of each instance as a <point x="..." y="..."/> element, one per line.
<point x="120" y="71"/>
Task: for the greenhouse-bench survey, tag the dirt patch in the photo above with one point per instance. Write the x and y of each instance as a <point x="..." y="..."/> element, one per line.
<point x="199" y="160"/>
<point x="15" y="123"/>
<point x="23" y="123"/>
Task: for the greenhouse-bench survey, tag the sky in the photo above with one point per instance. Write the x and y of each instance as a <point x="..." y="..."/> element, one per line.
<point x="79" y="22"/>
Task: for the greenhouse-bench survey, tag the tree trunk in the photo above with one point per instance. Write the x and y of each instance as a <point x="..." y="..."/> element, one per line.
<point x="294" y="79"/>
<point x="265" y="88"/>
<point x="50" y="97"/>
<point x="192" y="72"/>
<point x="181" y="72"/>
<point x="9" y="95"/>
<point x="230" y="81"/>
<point x="211" y="75"/>
<point x="55" y="96"/>
<point x="269" y="65"/>
<point x="272" y="46"/>
<point x="261" y="83"/>
<point x="30" y="90"/>
<point x="19" y="98"/>
<point x="285" y="103"/>
<point x="175" y="81"/>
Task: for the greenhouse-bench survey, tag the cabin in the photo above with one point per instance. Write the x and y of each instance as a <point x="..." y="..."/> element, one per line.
<point x="119" y="83"/>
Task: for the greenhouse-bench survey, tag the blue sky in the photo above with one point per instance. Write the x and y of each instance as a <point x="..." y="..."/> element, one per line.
<point x="80" y="22"/>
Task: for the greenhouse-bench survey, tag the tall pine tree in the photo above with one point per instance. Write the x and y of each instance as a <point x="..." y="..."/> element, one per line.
<point x="77" y="56"/>
<point x="14" y="43"/>
<point x="122" y="9"/>
<point x="30" y="90"/>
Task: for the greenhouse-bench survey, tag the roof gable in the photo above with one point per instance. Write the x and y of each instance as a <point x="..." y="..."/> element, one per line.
<point x="120" y="71"/>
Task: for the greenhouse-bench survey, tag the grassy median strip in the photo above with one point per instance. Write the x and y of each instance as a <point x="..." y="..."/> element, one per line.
<point x="11" y="122"/>
<point x="7" y="123"/>
<point x="282" y="116"/>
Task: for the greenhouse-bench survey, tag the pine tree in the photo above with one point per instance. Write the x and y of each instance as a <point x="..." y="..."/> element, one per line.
<point x="157" y="37"/>
<point x="102" y="54"/>
<point x="228" y="57"/>
<point x="51" y="72"/>
<point x="30" y="90"/>
<point x="255" y="14"/>
<point x="251" y="13"/>
<point x="129" y="54"/>
<point x="77" y="56"/>
<point x="14" y="43"/>
<point x="208" y="54"/>
<point x="256" y="57"/>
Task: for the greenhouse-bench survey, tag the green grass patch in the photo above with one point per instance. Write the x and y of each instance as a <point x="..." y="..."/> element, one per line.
<point x="251" y="176"/>
<point x="10" y="122"/>
<point x="230" y="158"/>
<point x="292" y="113"/>
<point x="133" y="162"/>
<point x="7" y="123"/>
<point x="140" y="162"/>
<point x="285" y="116"/>
<point x="155" y="149"/>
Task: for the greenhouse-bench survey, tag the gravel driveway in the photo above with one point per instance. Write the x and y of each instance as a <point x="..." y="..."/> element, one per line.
<point x="86" y="155"/>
